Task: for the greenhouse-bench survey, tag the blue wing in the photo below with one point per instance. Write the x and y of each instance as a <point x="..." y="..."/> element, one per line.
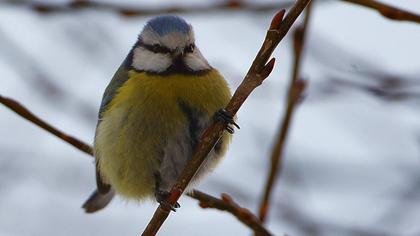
<point x="120" y="77"/>
<point x="118" y="80"/>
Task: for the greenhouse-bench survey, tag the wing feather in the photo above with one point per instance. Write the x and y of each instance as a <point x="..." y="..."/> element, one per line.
<point x="118" y="80"/>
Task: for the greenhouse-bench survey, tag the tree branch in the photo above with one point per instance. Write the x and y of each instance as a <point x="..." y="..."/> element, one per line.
<point x="296" y="89"/>
<point x="226" y="203"/>
<point x="258" y="71"/>
<point x="132" y="11"/>
<point x="388" y="11"/>
<point x="25" y="113"/>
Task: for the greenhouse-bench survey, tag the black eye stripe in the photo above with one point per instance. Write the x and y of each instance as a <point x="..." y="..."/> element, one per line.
<point x="160" y="49"/>
<point x="157" y="48"/>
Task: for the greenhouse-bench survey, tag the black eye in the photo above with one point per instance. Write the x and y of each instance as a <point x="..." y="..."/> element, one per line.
<point x="159" y="49"/>
<point x="189" y="48"/>
<point x="156" y="48"/>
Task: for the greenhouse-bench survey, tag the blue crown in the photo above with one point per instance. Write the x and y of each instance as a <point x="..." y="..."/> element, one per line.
<point x="163" y="25"/>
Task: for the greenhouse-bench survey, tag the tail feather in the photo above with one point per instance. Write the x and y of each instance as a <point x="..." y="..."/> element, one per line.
<point x="97" y="201"/>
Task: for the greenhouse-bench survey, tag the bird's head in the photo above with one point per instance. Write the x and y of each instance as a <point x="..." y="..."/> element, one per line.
<point x="166" y="45"/>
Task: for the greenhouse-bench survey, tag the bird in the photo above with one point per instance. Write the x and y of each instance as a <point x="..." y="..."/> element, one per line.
<point x="153" y="112"/>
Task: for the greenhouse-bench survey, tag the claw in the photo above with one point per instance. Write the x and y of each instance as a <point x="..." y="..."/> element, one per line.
<point x="161" y="197"/>
<point x="223" y="116"/>
<point x="165" y="204"/>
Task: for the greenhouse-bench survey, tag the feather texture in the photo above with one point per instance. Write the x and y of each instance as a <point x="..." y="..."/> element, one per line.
<point x="151" y="125"/>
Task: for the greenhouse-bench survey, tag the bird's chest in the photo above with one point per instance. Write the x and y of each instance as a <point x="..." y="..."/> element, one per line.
<point x="156" y="110"/>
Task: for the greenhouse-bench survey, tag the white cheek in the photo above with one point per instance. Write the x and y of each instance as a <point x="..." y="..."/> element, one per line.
<point x="196" y="61"/>
<point x="149" y="61"/>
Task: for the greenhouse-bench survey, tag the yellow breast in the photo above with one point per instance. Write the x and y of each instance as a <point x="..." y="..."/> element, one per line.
<point x="143" y="115"/>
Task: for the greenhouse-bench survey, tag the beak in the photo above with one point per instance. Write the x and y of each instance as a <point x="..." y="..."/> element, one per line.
<point x="178" y="52"/>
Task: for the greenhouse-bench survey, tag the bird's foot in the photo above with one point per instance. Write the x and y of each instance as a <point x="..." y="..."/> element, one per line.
<point x="161" y="198"/>
<point x="223" y="116"/>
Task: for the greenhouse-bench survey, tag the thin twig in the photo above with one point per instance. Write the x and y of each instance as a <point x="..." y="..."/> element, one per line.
<point x="258" y="71"/>
<point x="226" y="203"/>
<point x="25" y="113"/>
<point x="388" y="11"/>
<point x="296" y="88"/>
<point x="131" y="11"/>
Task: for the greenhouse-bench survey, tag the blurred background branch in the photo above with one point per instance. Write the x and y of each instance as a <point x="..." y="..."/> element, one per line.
<point x="25" y="113"/>
<point x="296" y="88"/>
<point x="128" y="10"/>
<point x="131" y="11"/>
<point x="388" y="11"/>
<point x="226" y="203"/>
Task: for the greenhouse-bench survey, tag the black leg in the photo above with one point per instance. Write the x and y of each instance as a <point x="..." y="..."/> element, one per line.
<point x="162" y="196"/>
<point x="223" y="116"/>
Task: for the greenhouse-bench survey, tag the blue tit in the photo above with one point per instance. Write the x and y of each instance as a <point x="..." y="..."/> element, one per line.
<point x="153" y="112"/>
